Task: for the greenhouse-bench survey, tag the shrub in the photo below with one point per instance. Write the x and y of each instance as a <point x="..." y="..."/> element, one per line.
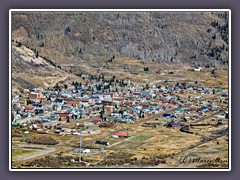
<point x="42" y="140"/>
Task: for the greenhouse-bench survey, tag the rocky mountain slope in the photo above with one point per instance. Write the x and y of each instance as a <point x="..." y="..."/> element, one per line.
<point x="30" y="70"/>
<point x="172" y="37"/>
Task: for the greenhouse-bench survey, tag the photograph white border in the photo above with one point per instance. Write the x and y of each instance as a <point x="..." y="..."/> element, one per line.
<point x="116" y="10"/>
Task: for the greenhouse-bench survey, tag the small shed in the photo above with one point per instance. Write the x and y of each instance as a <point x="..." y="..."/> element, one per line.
<point x="86" y="151"/>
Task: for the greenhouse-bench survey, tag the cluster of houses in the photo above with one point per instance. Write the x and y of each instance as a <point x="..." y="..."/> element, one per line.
<point x="98" y="102"/>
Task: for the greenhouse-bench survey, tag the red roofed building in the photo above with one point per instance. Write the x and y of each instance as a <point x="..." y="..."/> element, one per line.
<point x="35" y="96"/>
<point x="168" y="105"/>
<point x="97" y="120"/>
<point x="109" y="108"/>
<point x="121" y="134"/>
<point x="23" y="102"/>
<point x="65" y="114"/>
<point x="29" y="108"/>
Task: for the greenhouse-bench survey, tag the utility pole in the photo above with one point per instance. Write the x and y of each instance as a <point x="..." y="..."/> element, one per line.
<point x="80" y="147"/>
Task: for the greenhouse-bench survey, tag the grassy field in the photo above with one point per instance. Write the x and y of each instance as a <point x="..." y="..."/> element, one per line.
<point x="21" y="153"/>
<point x="142" y="137"/>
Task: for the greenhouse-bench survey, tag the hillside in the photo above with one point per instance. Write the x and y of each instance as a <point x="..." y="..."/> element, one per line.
<point x="51" y="47"/>
<point x="195" y="37"/>
<point x="30" y="70"/>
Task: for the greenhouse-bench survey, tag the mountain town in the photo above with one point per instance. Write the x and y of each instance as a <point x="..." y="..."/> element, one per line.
<point x="114" y="115"/>
<point x="119" y="90"/>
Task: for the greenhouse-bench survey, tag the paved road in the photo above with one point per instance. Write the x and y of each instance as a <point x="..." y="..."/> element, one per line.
<point x="46" y="150"/>
<point x="29" y="119"/>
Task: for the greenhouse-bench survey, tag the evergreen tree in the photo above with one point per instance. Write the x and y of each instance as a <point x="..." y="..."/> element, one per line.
<point x="29" y="102"/>
<point x="68" y="120"/>
<point x="103" y="110"/>
<point x="37" y="54"/>
<point x="19" y="44"/>
<point x="76" y="84"/>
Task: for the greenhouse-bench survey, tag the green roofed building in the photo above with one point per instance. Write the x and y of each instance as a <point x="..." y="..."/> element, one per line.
<point x="180" y="111"/>
<point x="15" y="123"/>
<point x="153" y="105"/>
